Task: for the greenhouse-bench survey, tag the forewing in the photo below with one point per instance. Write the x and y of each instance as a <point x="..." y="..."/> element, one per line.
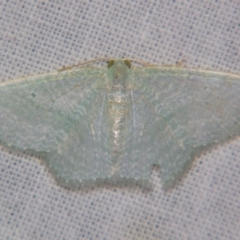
<point x="176" y="112"/>
<point x="62" y="116"/>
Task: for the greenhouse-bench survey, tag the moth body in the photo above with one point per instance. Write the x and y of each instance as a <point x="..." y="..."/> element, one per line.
<point x="117" y="113"/>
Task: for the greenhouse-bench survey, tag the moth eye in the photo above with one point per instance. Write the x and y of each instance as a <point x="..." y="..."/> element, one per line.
<point x="110" y="63"/>
<point x="128" y="63"/>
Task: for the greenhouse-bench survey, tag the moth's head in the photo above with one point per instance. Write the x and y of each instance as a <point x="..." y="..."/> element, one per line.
<point x="118" y="69"/>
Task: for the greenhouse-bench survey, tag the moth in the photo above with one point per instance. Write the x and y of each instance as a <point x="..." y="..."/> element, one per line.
<point x="90" y="123"/>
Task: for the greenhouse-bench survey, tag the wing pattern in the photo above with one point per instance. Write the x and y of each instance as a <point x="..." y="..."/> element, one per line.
<point x="63" y="116"/>
<point x="177" y="112"/>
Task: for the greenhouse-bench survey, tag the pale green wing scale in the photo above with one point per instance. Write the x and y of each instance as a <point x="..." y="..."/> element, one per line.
<point x="61" y="115"/>
<point x="99" y="123"/>
<point x="176" y="113"/>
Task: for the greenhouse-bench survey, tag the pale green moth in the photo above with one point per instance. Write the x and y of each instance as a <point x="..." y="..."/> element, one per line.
<point x="92" y="123"/>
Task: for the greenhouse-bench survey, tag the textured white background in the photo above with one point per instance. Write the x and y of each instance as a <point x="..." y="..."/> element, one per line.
<point x="41" y="36"/>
